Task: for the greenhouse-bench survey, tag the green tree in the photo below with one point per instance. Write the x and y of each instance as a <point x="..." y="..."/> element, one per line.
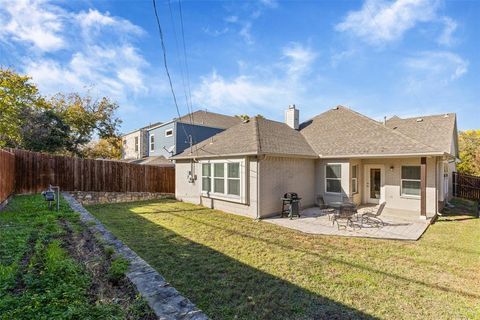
<point x="18" y="96"/>
<point x="106" y="148"/>
<point x="469" y="149"/>
<point x="45" y="131"/>
<point x="86" y="118"/>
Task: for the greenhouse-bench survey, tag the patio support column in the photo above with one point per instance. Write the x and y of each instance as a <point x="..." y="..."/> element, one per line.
<point x="423" y="187"/>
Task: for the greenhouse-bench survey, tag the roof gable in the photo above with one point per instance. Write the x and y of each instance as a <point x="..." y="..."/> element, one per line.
<point x="437" y="131"/>
<point x="343" y="132"/>
<point x="258" y="136"/>
<point x="210" y="119"/>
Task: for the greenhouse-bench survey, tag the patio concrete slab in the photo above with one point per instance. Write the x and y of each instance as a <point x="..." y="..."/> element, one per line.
<point x="398" y="224"/>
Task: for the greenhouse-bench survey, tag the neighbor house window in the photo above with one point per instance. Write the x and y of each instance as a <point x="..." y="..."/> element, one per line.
<point x="168" y="132"/>
<point x="125" y="142"/>
<point x="410" y="181"/>
<point x="222" y="178"/>
<point x="354" y="179"/>
<point x="333" y="178"/>
<point x="206" y="177"/>
<point x="152" y="142"/>
<point x="136" y="144"/>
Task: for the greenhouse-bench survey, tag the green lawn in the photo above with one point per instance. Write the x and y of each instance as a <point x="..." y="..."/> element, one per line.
<point x="234" y="267"/>
<point x="48" y="269"/>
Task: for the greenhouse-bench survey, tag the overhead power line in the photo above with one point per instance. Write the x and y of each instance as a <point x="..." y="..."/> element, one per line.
<point x="166" y="65"/>
<point x="181" y="64"/>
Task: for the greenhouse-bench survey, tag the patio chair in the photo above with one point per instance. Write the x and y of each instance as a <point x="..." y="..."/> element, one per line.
<point x="374" y="216"/>
<point x="345" y="217"/>
<point x="325" y="208"/>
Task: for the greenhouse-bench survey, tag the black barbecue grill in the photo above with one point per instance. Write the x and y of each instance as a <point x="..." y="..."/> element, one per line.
<point x="291" y="205"/>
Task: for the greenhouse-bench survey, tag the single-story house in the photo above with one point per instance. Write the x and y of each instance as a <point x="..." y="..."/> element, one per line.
<point x="337" y="155"/>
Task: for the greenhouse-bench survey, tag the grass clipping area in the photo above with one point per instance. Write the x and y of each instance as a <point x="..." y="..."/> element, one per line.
<point x="233" y="267"/>
<point x="53" y="267"/>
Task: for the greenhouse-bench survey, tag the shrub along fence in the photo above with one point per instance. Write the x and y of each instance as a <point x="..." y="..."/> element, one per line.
<point x="7" y="175"/>
<point x="35" y="171"/>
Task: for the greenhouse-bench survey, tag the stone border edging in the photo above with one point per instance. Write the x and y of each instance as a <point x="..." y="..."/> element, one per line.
<point x="165" y="301"/>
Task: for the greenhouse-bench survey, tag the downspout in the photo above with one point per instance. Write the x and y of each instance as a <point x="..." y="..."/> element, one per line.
<point x="259" y="159"/>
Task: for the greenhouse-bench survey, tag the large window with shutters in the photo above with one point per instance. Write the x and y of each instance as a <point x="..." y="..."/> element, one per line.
<point x="410" y="181"/>
<point x="223" y="179"/>
<point x="333" y="178"/>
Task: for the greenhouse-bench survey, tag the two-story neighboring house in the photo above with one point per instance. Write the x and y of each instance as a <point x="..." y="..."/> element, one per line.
<point x="170" y="138"/>
<point x="135" y="143"/>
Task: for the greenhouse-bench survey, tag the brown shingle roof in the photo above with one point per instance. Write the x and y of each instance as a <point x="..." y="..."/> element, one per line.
<point x="436" y="131"/>
<point x="342" y="132"/>
<point x="210" y="119"/>
<point x="258" y="136"/>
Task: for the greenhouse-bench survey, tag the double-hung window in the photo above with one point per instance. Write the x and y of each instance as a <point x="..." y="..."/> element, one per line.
<point x="222" y="179"/>
<point x="354" y="179"/>
<point x="206" y="177"/>
<point x="333" y="178"/>
<point x="152" y="142"/>
<point x="233" y="178"/>
<point x="219" y="177"/>
<point x="136" y="144"/>
<point x="410" y="181"/>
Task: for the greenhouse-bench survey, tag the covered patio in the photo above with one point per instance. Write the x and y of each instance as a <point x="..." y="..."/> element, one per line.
<point x="398" y="224"/>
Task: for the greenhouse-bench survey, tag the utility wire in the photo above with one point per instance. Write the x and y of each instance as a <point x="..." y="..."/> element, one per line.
<point x="180" y="63"/>
<point x="166" y="65"/>
<point x="187" y="71"/>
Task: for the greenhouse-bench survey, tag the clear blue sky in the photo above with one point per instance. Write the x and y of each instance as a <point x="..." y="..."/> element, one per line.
<point x="381" y="58"/>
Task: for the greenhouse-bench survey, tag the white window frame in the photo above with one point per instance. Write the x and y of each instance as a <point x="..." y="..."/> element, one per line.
<point x="168" y="132"/>
<point x="355" y="179"/>
<point x="404" y="195"/>
<point x="208" y="176"/>
<point x="225" y="196"/>
<point x="135" y="141"/>
<point x="340" y="179"/>
<point x="152" y="142"/>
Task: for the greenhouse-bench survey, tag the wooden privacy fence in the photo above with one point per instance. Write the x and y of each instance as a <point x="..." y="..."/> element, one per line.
<point x="35" y="171"/>
<point x="7" y="174"/>
<point x="466" y="186"/>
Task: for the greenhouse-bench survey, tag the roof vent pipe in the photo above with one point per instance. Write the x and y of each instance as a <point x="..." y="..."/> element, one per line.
<point x="292" y="117"/>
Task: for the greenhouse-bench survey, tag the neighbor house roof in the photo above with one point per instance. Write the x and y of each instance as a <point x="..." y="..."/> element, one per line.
<point x="342" y="132"/>
<point x="160" y="161"/>
<point x="437" y="131"/>
<point x="258" y="136"/>
<point x="142" y="128"/>
<point x="210" y="119"/>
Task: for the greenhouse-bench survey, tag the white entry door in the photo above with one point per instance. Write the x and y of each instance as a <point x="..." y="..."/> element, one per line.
<point x="374" y="184"/>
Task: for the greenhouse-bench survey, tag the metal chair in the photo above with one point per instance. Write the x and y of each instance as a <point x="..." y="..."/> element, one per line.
<point x="345" y="216"/>
<point x="325" y="208"/>
<point x="374" y="216"/>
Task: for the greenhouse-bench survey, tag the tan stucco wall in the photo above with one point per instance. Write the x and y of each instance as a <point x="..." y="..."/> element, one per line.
<point x="279" y="175"/>
<point x="391" y="184"/>
<point x="191" y="192"/>
<point x="320" y="180"/>
<point x="393" y="178"/>
<point x="128" y="149"/>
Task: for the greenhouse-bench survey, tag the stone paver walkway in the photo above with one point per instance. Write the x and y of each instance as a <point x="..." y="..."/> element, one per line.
<point x="398" y="224"/>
